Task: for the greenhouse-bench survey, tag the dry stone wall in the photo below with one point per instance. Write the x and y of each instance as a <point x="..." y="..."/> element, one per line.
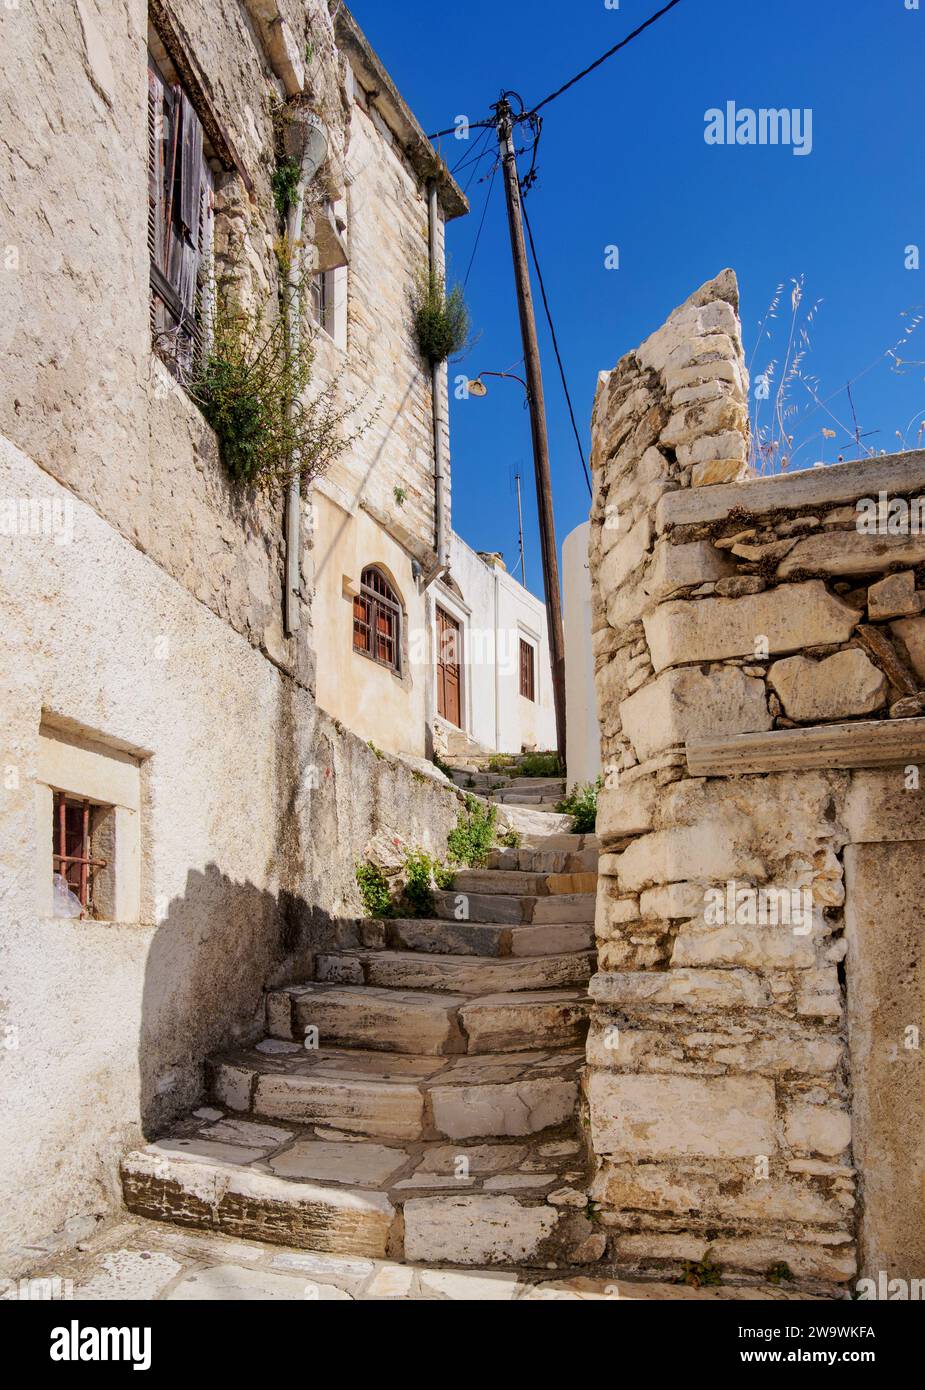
<point x="740" y="626"/>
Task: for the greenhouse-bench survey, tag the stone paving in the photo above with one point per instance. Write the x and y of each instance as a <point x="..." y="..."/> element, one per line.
<point x="144" y="1260"/>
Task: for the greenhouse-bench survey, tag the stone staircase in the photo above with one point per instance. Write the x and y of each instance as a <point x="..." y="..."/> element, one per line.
<point x="418" y="1099"/>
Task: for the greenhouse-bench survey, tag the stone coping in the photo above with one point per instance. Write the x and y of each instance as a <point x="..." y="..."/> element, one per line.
<point x="811" y="487"/>
<point x="880" y="743"/>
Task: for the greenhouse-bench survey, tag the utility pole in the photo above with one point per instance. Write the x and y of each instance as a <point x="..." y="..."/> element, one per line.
<point x="537" y="420"/>
<point x="520" y="528"/>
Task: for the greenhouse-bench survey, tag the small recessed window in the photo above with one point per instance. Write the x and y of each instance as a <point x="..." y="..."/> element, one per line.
<point x="79" y="836"/>
<point x="377" y="620"/>
<point x="527" y="680"/>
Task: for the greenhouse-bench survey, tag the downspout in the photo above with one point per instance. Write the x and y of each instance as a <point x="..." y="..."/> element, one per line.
<point x="311" y="149"/>
<point x="441" y="539"/>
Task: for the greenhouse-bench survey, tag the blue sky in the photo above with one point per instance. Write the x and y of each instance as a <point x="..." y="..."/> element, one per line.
<point x="623" y="162"/>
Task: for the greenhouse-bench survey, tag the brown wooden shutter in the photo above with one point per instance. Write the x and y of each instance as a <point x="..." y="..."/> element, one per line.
<point x="155" y="168"/>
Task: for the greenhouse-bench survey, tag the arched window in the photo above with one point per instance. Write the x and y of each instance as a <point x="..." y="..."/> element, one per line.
<point x="377" y="620"/>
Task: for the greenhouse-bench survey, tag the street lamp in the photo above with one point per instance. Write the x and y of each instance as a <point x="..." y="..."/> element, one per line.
<point x="478" y="388"/>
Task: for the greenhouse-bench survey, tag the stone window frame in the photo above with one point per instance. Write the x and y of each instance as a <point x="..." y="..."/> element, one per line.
<point x="84" y="767"/>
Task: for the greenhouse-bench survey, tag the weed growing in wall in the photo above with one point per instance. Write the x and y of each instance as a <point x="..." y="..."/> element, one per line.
<point x="441" y="320"/>
<point x="474" y="834"/>
<point x="254" y="387"/>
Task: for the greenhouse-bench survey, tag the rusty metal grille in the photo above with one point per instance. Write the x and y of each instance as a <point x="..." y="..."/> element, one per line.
<point x="527" y="686"/>
<point x="72" y="855"/>
<point x="377" y="621"/>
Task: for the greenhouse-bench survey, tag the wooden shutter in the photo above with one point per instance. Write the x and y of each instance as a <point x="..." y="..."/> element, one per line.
<point x="155" y="168"/>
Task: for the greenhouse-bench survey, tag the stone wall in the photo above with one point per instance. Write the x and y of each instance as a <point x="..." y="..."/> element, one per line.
<point x="149" y="621"/>
<point x="755" y="647"/>
<point x="255" y="809"/>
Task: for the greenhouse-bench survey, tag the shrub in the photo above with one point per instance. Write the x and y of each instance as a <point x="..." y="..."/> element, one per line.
<point x="252" y="384"/>
<point x="441" y="320"/>
<point x="581" y="805"/>
<point x="540" y="765"/>
<point x="374" y="890"/>
<point x="509" y="839"/>
<point x="419" y="883"/>
<point x="474" y="834"/>
<point x="285" y="181"/>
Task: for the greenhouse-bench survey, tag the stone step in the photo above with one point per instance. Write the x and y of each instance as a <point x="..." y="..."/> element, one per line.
<point x="534" y="800"/>
<point x="523" y="884"/>
<point x="544" y="861"/>
<point x="429" y="1024"/>
<point x="473" y="975"/>
<point x="477" y="938"/>
<point x="533" y="821"/>
<point x="286" y="1184"/>
<point x="345" y="1091"/>
<point x="455" y="905"/>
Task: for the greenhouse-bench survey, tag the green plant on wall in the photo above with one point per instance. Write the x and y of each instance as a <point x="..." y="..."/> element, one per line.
<point x="284" y="183"/>
<point x="374" y="890"/>
<point x="254" y="387"/>
<point x="469" y="842"/>
<point x="441" y="319"/>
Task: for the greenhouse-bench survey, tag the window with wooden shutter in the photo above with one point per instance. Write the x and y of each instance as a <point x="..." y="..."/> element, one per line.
<point x="377" y="620"/>
<point x="180" y="222"/>
<point x="527" y="685"/>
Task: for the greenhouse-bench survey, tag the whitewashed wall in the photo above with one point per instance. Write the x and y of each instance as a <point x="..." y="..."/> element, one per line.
<point x="495" y="612"/>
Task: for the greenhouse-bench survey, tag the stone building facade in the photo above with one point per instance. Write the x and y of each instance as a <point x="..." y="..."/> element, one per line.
<point x="149" y="679"/>
<point x="755" y="1088"/>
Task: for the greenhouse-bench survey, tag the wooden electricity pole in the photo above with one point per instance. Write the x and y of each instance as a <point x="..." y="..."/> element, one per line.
<point x="537" y="421"/>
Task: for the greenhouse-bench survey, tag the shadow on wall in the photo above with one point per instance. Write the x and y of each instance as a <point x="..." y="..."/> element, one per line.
<point x="204" y="982"/>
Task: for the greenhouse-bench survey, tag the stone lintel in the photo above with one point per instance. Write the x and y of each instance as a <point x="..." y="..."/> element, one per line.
<point x="900" y="474"/>
<point x="879" y="743"/>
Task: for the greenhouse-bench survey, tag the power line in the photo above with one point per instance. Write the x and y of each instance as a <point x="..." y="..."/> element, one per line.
<point x="478" y="235"/>
<point x="469" y="155"/>
<point x="634" y="34"/>
<point x="604" y="56"/>
<point x="555" y="343"/>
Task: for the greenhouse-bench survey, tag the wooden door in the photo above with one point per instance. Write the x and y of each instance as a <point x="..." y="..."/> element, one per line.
<point x="448" y="690"/>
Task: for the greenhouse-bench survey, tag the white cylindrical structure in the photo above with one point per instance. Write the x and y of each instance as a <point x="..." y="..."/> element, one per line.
<point x="583" y="749"/>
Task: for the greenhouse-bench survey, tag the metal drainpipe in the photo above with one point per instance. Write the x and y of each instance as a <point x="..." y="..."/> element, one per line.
<point x="436" y="381"/>
<point x="313" y="154"/>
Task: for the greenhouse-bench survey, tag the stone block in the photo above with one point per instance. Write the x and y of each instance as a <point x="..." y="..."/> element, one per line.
<point x="627" y="809"/>
<point x="711" y="849"/>
<point x="841" y="686"/>
<point x="685" y="566"/>
<point x="894" y="597"/>
<point x="817" y="1129"/>
<point x="789" y="618"/>
<point x="672" y="901"/>
<point x="646" y="1117"/>
<point x="911" y="632"/>
<point x="755" y="948"/>
<point x="692" y="989"/>
<point x="475" y="1230"/>
<point x="688" y="704"/>
<point x="847" y="553"/>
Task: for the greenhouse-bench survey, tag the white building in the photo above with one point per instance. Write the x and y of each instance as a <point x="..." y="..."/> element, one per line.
<point x="583" y="739"/>
<point x="493" y="683"/>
